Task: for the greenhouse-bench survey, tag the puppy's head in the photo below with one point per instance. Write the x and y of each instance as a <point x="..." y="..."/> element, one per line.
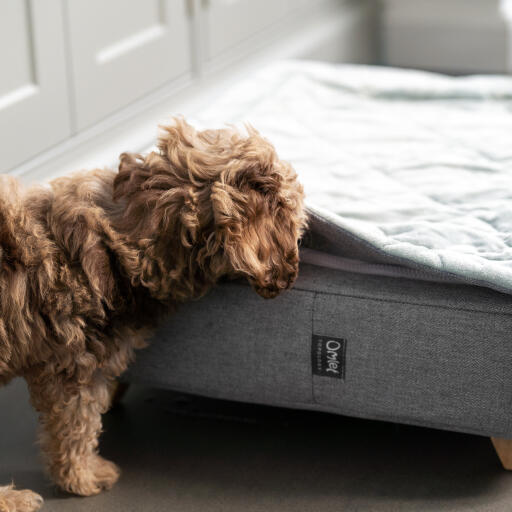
<point x="258" y="211"/>
<point x="218" y="201"/>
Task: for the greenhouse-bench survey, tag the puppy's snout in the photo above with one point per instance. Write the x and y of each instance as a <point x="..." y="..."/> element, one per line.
<point x="271" y="287"/>
<point x="267" y="292"/>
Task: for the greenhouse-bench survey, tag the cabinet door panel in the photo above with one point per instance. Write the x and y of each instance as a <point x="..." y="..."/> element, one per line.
<point x="33" y="96"/>
<point x="122" y="49"/>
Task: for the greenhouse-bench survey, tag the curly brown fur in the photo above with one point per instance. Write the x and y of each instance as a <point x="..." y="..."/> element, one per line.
<point x="88" y="263"/>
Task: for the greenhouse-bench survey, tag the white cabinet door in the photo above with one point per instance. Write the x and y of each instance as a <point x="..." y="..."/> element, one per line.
<point x="229" y="22"/>
<point x="122" y="49"/>
<point x="33" y="97"/>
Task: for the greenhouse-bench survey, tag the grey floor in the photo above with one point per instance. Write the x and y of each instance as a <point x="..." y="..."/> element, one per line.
<point x="185" y="454"/>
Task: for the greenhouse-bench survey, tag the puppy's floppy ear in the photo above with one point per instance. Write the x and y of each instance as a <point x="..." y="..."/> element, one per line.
<point x="258" y="211"/>
<point x="227" y="207"/>
<point x="258" y="230"/>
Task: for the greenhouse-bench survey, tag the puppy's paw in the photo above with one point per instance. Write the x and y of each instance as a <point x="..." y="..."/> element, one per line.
<point x="12" y="500"/>
<point x="91" y="477"/>
<point x="106" y="473"/>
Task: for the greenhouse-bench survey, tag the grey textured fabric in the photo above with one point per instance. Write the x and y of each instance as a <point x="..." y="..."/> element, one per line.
<point x="432" y="205"/>
<point x="415" y="352"/>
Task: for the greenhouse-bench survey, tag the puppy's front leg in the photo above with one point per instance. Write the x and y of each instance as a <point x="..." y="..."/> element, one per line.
<point x="70" y="418"/>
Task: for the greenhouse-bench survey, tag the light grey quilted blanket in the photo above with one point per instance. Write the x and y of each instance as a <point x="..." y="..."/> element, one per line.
<point x="418" y="165"/>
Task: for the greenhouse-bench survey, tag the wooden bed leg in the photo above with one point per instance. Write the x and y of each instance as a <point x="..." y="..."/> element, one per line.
<point x="503" y="448"/>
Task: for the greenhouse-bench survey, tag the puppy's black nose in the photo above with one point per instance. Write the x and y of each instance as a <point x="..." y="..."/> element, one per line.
<point x="267" y="292"/>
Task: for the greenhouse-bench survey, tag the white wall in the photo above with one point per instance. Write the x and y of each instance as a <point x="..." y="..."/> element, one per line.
<point x="456" y="36"/>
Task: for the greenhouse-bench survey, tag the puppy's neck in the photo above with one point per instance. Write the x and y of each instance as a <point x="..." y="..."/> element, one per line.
<point x="169" y="267"/>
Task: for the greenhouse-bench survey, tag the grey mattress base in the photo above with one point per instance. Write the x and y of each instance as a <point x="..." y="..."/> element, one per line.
<point x="395" y="349"/>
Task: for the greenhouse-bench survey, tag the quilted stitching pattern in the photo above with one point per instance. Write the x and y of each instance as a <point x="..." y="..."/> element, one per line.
<point x="417" y="164"/>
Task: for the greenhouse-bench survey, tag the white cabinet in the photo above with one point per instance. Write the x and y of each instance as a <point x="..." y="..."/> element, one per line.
<point x="73" y="71"/>
<point x="33" y="93"/>
<point x="123" y="49"/>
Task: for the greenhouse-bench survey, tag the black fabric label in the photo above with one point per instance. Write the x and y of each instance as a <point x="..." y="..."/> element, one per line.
<point x="328" y="356"/>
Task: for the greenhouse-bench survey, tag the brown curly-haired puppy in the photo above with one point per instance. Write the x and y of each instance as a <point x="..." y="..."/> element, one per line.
<point x="90" y="261"/>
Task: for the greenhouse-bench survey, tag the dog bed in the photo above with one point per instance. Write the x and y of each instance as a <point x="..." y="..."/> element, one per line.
<point x="402" y="310"/>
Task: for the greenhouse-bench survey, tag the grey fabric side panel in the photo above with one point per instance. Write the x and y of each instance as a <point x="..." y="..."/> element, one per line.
<point x="236" y="345"/>
<point x="451" y="296"/>
<point x="419" y="364"/>
<point x="422" y="353"/>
